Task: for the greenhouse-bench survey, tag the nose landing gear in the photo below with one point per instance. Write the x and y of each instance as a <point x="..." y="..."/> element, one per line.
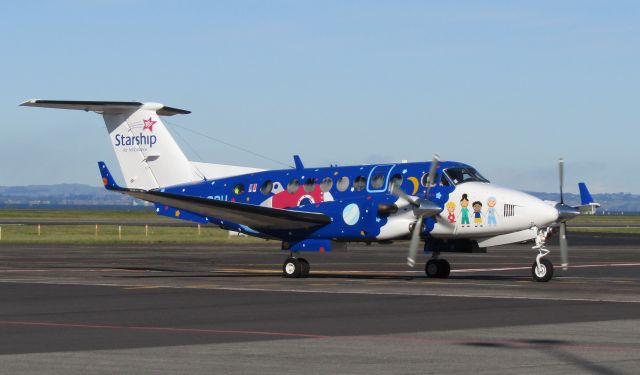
<point x="542" y="269"/>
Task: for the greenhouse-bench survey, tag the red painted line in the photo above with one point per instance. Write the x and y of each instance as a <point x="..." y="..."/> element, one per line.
<point x="517" y="344"/>
<point x="159" y="329"/>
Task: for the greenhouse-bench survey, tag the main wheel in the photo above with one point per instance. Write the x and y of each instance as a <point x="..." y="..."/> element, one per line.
<point x="291" y="268"/>
<point x="432" y="268"/>
<point x="444" y="270"/>
<point x="304" y="272"/>
<point x="543" y="273"/>
<point x="439" y="268"/>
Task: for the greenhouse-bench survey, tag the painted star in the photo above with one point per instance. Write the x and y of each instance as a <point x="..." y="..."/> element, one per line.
<point x="148" y="124"/>
<point x="438" y="195"/>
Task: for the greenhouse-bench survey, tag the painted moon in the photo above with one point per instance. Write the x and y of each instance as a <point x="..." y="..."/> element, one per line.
<point x="416" y="184"/>
<point x="351" y="214"/>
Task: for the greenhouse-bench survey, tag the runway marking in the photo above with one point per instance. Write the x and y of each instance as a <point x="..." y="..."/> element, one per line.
<point x="141" y="287"/>
<point x="277" y="289"/>
<point x="159" y="329"/>
<point x="510" y="343"/>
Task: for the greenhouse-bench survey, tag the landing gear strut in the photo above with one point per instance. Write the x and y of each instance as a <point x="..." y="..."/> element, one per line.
<point x="437" y="268"/>
<point x="295" y="268"/>
<point x="542" y="269"/>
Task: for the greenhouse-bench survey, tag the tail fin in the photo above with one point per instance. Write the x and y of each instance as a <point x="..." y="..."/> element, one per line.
<point x="585" y="195"/>
<point x="587" y="204"/>
<point x="148" y="155"/>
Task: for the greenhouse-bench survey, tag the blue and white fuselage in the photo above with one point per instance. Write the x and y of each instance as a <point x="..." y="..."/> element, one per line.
<point x="361" y="208"/>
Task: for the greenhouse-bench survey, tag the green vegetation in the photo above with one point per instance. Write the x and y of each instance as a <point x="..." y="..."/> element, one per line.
<point x="626" y="230"/>
<point x="108" y="234"/>
<point x="142" y="214"/>
<point x="605" y="219"/>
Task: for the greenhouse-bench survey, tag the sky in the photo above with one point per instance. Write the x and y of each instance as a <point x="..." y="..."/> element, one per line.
<point x="508" y="87"/>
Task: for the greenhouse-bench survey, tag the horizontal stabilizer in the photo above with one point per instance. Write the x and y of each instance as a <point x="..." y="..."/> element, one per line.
<point x="104" y="106"/>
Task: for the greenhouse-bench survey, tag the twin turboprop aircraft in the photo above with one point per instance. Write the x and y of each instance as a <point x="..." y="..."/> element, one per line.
<point x="449" y="205"/>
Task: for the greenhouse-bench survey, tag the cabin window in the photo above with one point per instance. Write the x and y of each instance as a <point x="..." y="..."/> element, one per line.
<point x="359" y="183"/>
<point x="327" y="184"/>
<point x="396" y="180"/>
<point x="309" y="184"/>
<point x="266" y="187"/>
<point x="238" y="189"/>
<point x="293" y="185"/>
<point x="377" y="181"/>
<point x="442" y="181"/>
<point x="343" y="183"/>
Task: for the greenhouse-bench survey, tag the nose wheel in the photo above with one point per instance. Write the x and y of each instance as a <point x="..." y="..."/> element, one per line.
<point x="295" y="268"/>
<point x="542" y="271"/>
<point x="437" y="268"/>
<point x="542" y="268"/>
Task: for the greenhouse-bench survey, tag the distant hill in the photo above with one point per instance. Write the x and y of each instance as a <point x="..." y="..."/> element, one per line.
<point x="78" y="195"/>
<point x="64" y="195"/>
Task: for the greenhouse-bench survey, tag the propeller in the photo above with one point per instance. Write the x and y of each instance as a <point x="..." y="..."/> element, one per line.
<point x="564" y="213"/>
<point x="422" y="207"/>
<point x="561" y="170"/>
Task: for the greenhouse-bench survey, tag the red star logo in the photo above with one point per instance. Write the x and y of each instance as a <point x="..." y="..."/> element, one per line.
<point x="148" y="124"/>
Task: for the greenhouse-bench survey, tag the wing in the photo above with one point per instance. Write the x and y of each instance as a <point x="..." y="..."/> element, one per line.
<point x="256" y="217"/>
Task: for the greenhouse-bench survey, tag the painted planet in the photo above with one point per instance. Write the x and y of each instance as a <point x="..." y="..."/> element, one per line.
<point x="351" y="214"/>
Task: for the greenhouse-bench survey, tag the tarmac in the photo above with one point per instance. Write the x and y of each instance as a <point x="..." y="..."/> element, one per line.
<point x="71" y="309"/>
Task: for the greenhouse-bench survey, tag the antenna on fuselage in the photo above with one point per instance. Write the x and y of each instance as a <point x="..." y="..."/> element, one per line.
<point x="298" y="162"/>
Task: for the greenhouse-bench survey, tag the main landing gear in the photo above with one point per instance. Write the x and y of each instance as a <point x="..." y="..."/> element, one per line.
<point x="542" y="269"/>
<point x="437" y="268"/>
<point x="295" y="268"/>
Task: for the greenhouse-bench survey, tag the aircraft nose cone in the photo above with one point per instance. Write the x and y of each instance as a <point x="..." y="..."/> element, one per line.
<point x="541" y="213"/>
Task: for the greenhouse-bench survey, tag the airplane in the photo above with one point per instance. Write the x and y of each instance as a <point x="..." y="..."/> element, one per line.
<point x="448" y="205"/>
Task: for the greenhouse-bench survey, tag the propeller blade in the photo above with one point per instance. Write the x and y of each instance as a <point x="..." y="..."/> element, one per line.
<point x="431" y="177"/>
<point x="415" y="241"/>
<point x="564" y="248"/>
<point x="561" y="170"/>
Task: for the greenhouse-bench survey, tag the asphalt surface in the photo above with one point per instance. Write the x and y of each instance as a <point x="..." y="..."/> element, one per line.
<point x="223" y="309"/>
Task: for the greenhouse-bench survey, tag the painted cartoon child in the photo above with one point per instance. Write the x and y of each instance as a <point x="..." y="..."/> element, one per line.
<point x="451" y="207"/>
<point x="464" y="211"/>
<point x="477" y="213"/>
<point x="491" y="211"/>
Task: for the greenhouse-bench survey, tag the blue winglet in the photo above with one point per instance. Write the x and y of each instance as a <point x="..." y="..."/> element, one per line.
<point x="585" y="196"/>
<point x="107" y="179"/>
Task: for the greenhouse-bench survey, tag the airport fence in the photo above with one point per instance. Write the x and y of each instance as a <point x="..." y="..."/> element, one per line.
<point x="111" y="233"/>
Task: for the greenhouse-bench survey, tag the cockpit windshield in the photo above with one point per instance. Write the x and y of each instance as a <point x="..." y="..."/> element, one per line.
<point x="459" y="175"/>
